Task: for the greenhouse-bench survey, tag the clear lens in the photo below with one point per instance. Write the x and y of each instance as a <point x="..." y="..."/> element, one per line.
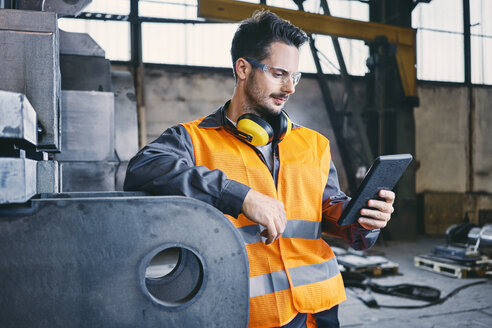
<point x="280" y="75"/>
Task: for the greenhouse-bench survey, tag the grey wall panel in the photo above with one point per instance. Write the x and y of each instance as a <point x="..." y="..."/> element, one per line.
<point x="87" y="176"/>
<point x="17" y="118"/>
<point x="441" y="130"/>
<point x="125" y="115"/>
<point x="30" y="66"/>
<point x="85" y="73"/>
<point x="87" y="126"/>
<point x="17" y="180"/>
<point x="81" y="44"/>
<point x="482" y="140"/>
<point x="48" y="177"/>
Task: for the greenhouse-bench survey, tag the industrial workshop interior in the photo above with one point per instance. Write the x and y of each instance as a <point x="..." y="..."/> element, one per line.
<point x="245" y="163"/>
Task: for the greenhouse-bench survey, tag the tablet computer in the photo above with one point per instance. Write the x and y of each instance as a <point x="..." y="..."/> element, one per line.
<point x="383" y="174"/>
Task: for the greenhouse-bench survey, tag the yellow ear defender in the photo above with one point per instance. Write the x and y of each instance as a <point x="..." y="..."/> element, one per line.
<point x="259" y="132"/>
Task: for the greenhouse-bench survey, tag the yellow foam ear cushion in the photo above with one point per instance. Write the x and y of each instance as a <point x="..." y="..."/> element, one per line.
<point x="289" y="126"/>
<point x="259" y="134"/>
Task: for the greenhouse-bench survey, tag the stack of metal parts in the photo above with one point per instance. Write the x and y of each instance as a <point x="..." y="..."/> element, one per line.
<point x="68" y="81"/>
<point x="99" y="126"/>
<point x="29" y="104"/>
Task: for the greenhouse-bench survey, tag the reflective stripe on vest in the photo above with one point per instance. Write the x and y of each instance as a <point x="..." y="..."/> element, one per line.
<point x="302" y="275"/>
<point x="294" y="229"/>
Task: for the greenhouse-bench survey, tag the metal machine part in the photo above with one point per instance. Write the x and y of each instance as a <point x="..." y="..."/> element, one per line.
<point x="17" y="118"/>
<point x="29" y="57"/>
<point x="125" y="115"/>
<point x="481" y="237"/>
<point x="85" y="73"/>
<point x="80" y="44"/>
<point x="87" y="176"/>
<point x="84" y="262"/>
<point x="17" y="179"/>
<point x="62" y="7"/>
<point x="48" y="177"/>
<point x="87" y="126"/>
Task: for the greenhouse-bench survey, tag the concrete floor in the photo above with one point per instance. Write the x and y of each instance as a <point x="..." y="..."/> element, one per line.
<point x="471" y="307"/>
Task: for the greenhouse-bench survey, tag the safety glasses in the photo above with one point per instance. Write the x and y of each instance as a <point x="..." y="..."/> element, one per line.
<point x="276" y="74"/>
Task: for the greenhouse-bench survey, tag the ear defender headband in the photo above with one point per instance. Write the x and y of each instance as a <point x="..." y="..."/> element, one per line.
<point x="259" y="132"/>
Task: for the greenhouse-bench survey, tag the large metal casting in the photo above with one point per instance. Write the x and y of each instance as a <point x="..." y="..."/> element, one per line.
<point x="84" y="262"/>
<point x="29" y="57"/>
<point x="87" y="126"/>
<point x="17" y="180"/>
<point x="86" y="73"/>
<point x="17" y="118"/>
<point x="87" y="176"/>
<point x="81" y="44"/>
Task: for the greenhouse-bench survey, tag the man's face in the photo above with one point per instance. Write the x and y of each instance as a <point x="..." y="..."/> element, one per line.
<point x="265" y="97"/>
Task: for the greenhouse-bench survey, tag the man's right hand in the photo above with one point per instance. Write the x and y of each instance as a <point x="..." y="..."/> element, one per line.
<point x="266" y="211"/>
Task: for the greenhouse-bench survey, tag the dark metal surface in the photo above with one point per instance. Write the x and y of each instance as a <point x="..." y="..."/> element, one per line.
<point x="17" y="181"/>
<point x="120" y="175"/>
<point x="17" y="118"/>
<point x="66" y="7"/>
<point x="80" y="262"/>
<point x="81" y="44"/>
<point x="30" y="4"/>
<point x="87" y="126"/>
<point x="29" y="57"/>
<point x="125" y="115"/>
<point x="85" y="73"/>
<point x="87" y="176"/>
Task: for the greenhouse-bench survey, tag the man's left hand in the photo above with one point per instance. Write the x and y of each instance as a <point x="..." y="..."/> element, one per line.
<point x="380" y="213"/>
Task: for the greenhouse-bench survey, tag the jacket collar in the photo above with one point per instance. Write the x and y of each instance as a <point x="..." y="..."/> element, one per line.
<point x="218" y="119"/>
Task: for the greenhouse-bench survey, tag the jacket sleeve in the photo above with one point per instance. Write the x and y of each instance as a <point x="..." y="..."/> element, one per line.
<point x="167" y="167"/>
<point x="334" y="202"/>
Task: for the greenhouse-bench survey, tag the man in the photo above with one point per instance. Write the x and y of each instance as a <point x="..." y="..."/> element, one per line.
<point x="278" y="194"/>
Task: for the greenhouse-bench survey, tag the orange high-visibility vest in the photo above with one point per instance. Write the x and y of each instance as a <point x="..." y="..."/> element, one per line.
<point x="298" y="272"/>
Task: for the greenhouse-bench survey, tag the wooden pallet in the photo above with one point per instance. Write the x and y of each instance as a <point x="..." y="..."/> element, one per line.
<point x="370" y="265"/>
<point x="451" y="269"/>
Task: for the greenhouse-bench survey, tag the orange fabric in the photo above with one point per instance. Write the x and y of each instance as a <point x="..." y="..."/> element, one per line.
<point x="311" y="321"/>
<point x="303" y="172"/>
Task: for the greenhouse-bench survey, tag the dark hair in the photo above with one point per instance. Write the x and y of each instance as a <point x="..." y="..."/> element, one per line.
<point x="255" y="35"/>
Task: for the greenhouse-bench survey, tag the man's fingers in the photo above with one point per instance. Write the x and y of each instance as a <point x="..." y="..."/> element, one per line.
<point x="372" y="224"/>
<point x="381" y="205"/>
<point x="272" y="233"/>
<point x="388" y="195"/>
<point x="373" y="214"/>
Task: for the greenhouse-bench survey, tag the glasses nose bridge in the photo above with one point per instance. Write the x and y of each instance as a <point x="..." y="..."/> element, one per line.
<point x="293" y="77"/>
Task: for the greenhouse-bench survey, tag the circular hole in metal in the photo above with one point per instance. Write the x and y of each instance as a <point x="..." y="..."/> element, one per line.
<point x="174" y="276"/>
<point x="163" y="263"/>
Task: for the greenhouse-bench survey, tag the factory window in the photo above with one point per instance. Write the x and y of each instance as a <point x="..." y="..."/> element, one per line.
<point x="481" y="41"/>
<point x="187" y="44"/>
<point x="440" y="40"/>
<point x="173" y="9"/>
<point x="113" y="36"/>
<point x="440" y="43"/>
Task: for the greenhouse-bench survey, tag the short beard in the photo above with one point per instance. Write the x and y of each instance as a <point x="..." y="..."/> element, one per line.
<point x="252" y="105"/>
